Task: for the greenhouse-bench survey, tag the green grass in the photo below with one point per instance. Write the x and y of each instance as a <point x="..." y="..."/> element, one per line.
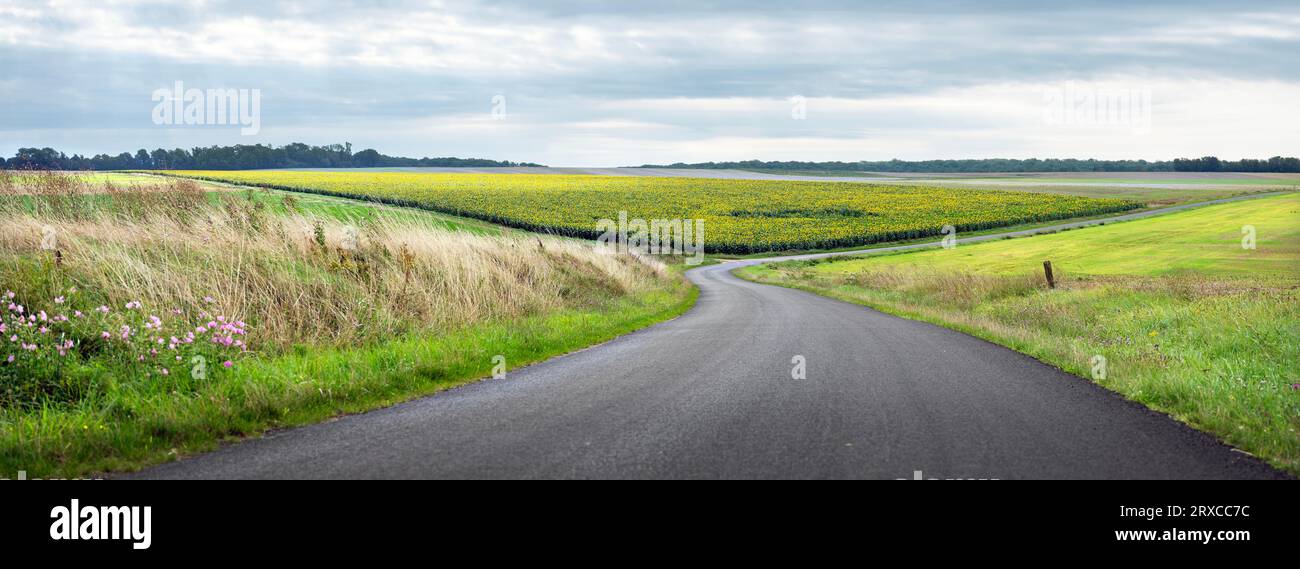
<point x="304" y="388"/>
<point x="1204" y="241"/>
<point x="1188" y="322"/>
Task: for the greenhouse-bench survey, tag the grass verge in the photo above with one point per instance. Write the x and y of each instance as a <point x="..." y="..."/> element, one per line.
<point x="304" y="388"/>
<point x="152" y="323"/>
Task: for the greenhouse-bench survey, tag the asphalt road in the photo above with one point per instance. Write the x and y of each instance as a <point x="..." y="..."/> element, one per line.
<point x="711" y="395"/>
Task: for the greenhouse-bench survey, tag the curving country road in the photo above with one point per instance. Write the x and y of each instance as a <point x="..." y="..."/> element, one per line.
<point x="710" y="395"/>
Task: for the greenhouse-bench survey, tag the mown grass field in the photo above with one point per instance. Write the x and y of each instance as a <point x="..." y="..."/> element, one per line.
<point x="741" y="216"/>
<point x="1182" y="318"/>
<point x="138" y="326"/>
<point x="1202" y="242"/>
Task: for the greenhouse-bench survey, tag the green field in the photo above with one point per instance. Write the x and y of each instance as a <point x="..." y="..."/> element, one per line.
<point x="741" y="216"/>
<point x="1204" y="242"/>
<point x="1186" y="320"/>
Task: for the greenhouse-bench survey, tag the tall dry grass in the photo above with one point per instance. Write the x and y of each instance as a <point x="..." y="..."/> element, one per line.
<point x="965" y="289"/>
<point x="297" y="279"/>
<point x="60" y="196"/>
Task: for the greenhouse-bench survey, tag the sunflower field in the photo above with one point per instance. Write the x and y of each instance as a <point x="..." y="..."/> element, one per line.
<point x="741" y="216"/>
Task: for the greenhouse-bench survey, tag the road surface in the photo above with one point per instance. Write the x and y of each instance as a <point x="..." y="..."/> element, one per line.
<point x="711" y="395"/>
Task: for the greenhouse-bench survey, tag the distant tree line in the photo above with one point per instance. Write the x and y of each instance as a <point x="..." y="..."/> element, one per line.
<point x="238" y="157"/>
<point x="1206" y="164"/>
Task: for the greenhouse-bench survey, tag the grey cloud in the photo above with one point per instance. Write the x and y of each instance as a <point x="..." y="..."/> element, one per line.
<point x="652" y="50"/>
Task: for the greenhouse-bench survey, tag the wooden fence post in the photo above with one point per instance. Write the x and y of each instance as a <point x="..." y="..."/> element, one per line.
<point x="1051" y="279"/>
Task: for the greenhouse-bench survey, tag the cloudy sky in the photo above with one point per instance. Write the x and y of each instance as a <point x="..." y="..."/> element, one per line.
<point x="630" y="82"/>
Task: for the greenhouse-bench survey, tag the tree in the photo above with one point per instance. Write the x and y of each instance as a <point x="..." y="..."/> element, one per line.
<point x="367" y="158"/>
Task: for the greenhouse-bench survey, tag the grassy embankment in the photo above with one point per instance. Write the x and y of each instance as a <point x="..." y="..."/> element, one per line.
<point x="1187" y="320"/>
<point x="160" y="320"/>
